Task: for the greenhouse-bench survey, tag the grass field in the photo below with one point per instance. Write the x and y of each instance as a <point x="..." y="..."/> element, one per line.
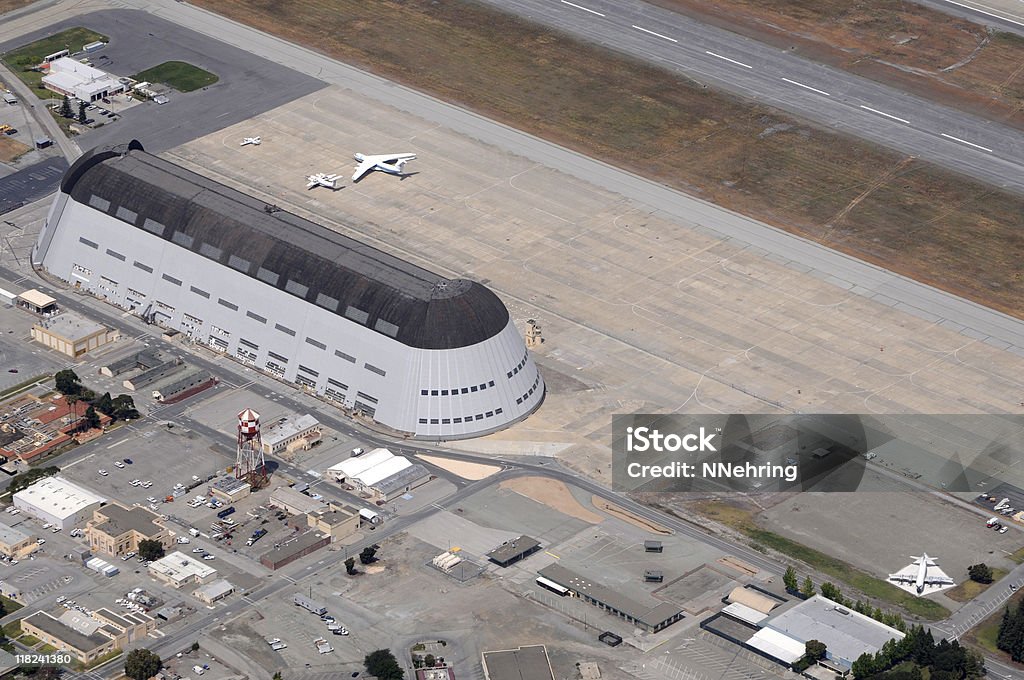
<point x="32" y="54"/>
<point x="11" y="149"/>
<point x="8" y="5"/>
<point x="179" y="75"/>
<point x="917" y="48"/>
<point x="10" y="606"/>
<point x="968" y="590"/>
<point x="984" y="635"/>
<point x="842" y="572"/>
<point x="1018" y="556"/>
<point x="898" y="212"/>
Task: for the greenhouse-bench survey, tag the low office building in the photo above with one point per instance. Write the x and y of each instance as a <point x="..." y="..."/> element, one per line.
<point x="178" y="569"/>
<point x="15" y="543"/>
<point x="72" y="335"/>
<point x="339" y="521"/>
<point x="229" y="489"/>
<point x="85" y="637"/>
<point x="214" y="591"/>
<point x="72" y="78"/>
<point x="651" y="615"/>
<point x="524" y="663"/>
<point x="178" y="388"/>
<point x="510" y="552"/>
<point x="293" y="549"/>
<point x="380" y="473"/>
<point x="57" y="501"/>
<point x="294" y="502"/>
<point x="117" y="530"/>
<point x="291" y="434"/>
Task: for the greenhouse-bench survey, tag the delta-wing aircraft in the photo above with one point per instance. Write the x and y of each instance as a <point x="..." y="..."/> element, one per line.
<point x="323" y="180"/>
<point x="255" y="141"/>
<point x="391" y="163"/>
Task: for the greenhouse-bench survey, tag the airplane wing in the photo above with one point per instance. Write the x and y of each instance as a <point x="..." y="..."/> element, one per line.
<point x="902" y="578"/>
<point x="939" y="581"/>
<point x="312" y="183"/>
<point x="363" y="168"/>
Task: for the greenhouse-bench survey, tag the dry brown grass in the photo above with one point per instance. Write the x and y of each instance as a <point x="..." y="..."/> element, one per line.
<point x="908" y="216"/>
<point x="891" y="41"/>
<point x="11" y="149"/>
<point x="8" y="5"/>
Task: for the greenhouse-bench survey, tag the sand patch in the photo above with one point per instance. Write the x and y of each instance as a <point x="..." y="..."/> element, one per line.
<point x="627" y="516"/>
<point x="552" y="493"/>
<point x="463" y="469"/>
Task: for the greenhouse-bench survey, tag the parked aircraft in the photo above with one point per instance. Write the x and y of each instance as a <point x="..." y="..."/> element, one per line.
<point x="323" y="180"/>
<point x="921" y="578"/>
<point x="255" y="141"/>
<point x="391" y="163"/>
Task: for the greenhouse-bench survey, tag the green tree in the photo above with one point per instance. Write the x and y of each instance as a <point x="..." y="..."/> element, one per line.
<point x="368" y="555"/>
<point x="982" y="573"/>
<point x="277" y="676"/>
<point x="124" y="408"/>
<point x="350" y="566"/>
<point x="807" y="587"/>
<point x="429" y="661"/>
<point x="789" y="579"/>
<point x="65" y="108"/>
<point x="92" y="419"/>
<point x="67" y="381"/>
<point x="830" y="591"/>
<point x="105" y="404"/>
<point x="195" y="646"/>
<point x="382" y="663"/>
<point x="151" y="549"/>
<point x="82" y="117"/>
<point x="142" y="664"/>
<point x="814" y="650"/>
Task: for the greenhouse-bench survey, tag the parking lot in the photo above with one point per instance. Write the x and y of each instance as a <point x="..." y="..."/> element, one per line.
<point x="21" y="358"/>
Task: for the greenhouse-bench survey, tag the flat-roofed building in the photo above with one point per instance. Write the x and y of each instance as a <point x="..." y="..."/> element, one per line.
<point x="36" y="302"/>
<point x="57" y="501"/>
<point x="295" y="502"/>
<point x="214" y="591"/>
<point x="293" y="549"/>
<point x="510" y="552"/>
<point x="15" y="543"/>
<point x="339" y="521"/>
<point x="72" y="335"/>
<point x="230" y="489"/>
<point x="523" y="663"/>
<point x="117" y="530"/>
<point x="86" y="637"/>
<point x="291" y="434"/>
<point x="72" y="78"/>
<point x="178" y="569"/>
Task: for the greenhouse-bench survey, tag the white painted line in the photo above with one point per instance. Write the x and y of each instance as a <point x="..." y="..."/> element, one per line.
<point x="807" y="87"/>
<point x="657" y="35"/>
<point x="117" y="444"/>
<point x="982" y="11"/>
<point x="80" y="460"/>
<point x="732" y="61"/>
<point x="964" y="141"/>
<point x="585" y="9"/>
<point x="883" y="113"/>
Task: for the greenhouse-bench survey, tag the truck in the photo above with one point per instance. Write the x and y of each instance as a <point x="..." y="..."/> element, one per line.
<point x="992" y="522"/>
<point x="225" y="512"/>
<point x="256" y="535"/>
<point x="10" y="98"/>
<point x="194" y="532"/>
<point x="309" y="605"/>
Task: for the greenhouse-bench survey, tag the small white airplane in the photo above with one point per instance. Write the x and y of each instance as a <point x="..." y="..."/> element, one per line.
<point x="921" y="578"/>
<point x="323" y="180"/>
<point x="255" y="141"/>
<point x="391" y="163"/>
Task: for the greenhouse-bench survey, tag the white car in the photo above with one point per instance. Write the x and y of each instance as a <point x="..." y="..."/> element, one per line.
<point x="197" y="550"/>
<point x="135" y="482"/>
<point x="103" y="472"/>
<point x="182" y="539"/>
<point x="146" y="484"/>
<point x="118" y="464"/>
<point x="208" y="556"/>
<point x="15" y="511"/>
<point x="195" y="478"/>
<point x="55" y="529"/>
<point x="38" y="542"/>
<point x="47" y="525"/>
<point x="151" y="499"/>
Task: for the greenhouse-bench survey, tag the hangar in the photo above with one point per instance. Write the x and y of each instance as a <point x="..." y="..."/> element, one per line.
<point x="418" y="353"/>
<point x="59" y="502"/>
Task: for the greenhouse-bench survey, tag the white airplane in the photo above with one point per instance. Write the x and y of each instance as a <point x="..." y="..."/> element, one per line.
<point x="255" y="141"/>
<point x="921" y="578"/>
<point x="323" y="180"/>
<point x="391" y="163"/>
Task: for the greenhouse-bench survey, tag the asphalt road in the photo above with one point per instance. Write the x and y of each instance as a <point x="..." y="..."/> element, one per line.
<point x="30" y="184"/>
<point x="1004" y="15"/>
<point x="980" y="148"/>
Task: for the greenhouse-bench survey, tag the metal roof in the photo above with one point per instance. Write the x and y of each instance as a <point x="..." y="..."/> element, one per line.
<point x="514" y="548"/>
<point x="367" y="286"/>
<point x="653" y="614"/>
<point x="525" y="663"/>
<point x="120" y="520"/>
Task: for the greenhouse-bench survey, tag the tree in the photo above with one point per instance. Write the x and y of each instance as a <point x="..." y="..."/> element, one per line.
<point x="92" y="419"/>
<point x="368" y="555"/>
<point x="789" y="579"/>
<point x="830" y="591"/>
<point x="814" y="650"/>
<point x="807" y="587"/>
<point x="67" y="381"/>
<point x="350" y="566"/>
<point x="65" y="108"/>
<point x="429" y="661"/>
<point x="982" y="573"/>
<point x="382" y="663"/>
<point x="105" y="404"/>
<point x="124" y="408"/>
<point x="81" y="113"/>
<point x="153" y="550"/>
<point x="142" y="664"/>
<point x="277" y="676"/>
<point x="195" y="646"/>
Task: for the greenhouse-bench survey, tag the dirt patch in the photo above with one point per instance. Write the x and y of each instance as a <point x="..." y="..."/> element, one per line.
<point x="473" y="471"/>
<point x="11" y="149"/>
<point x="374" y="569"/>
<point x="8" y="5"/>
<point x="738" y="565"/>
<point x="627" y="516"/>
<point x="552" y="493"/>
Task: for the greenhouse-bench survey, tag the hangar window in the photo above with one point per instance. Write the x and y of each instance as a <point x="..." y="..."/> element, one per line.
<point x="347" y="357"/>
<point x="367" y="397"/>
<point x="310" y="371"/>
<point x="239" y="263"/>
<point x="127" y="215"/>
<point x="182" y="239"/>
<point x="339" y="385"/>
<point x="327" y="302"/>
<point x="519" y="400"/>
<point x="99" y="203"/>
<point x="373" y="369"/>
<point x="116" y="255"/>
<point x="434" y="393"/>
<point x="510" y="375"/>
<point x="483" y="386"/>
<point x="423" y="421"/>
<point x="278" y="357"/>
<point x="136" y="293"/>
<point x="199" y="291"/>
<point x="446" y="421"/>
<point x="457" y="420"/>
<point x="497" y="411"/>
<point x="284" y="329"/>
<point x="490" y="384"/>
<point x="424" y="393"/>
<point x="433" y="421"/>
<point x="194" y="320"/>
<point x="267" y="276"/>
<point x="316" y="343"/>
<point x="253" y="315"/>
<point x="296" y="288"/>
<point x="250" y="345"/>
<point x="473" y="388"/>
<point x="164" y="306"/>
<point x="465" y="390"/>
<point x="489" y="414"/>
<point x="444" y="393"/>
<point x="143" y="267"/>
<point x="479" y="416"/>
<point x="212" y="252"/>
<point x="356" y="314"/>
<point x="230" y="305"/>
<point x="386" y="327"/>
<point x="153" y="227"/>
<point x="168" y="277"/>
<point x="87" y="242"/>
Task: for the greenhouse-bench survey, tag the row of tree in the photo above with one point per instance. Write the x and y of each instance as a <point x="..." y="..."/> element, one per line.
<point x="121" y="407"/>
<point x="916" y="651"/>
<point x="832" y="592"/>
<point x="1011" y="632"/>
<point x="27" y="479"/>
<point x="367" y="555"/>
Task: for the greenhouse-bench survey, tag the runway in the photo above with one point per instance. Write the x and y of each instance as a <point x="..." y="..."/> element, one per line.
<point x="982" y="149"/>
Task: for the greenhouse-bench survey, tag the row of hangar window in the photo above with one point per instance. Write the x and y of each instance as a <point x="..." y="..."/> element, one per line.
<point x="457" y="390"/>
<point x="466" y="419"/>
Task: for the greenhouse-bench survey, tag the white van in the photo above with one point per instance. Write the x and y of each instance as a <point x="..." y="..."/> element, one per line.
<point x="198" y="670"/>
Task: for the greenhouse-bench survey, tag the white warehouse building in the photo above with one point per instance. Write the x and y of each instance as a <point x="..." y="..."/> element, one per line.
<point x="418" y="353"/>
<point x="57" y="501"/>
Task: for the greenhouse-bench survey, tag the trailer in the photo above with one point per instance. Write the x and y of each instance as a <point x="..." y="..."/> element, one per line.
<point x="309" y="605"/>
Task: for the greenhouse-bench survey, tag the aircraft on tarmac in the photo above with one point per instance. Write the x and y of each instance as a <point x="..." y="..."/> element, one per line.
<point x="255" y="141"/>
<point x="323" y="180"/>
<point x="391" y="163"/>
<point x="920" y="577"/>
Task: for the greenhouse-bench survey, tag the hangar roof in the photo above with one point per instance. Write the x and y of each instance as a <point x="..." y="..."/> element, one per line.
<point x="356" y="281"/>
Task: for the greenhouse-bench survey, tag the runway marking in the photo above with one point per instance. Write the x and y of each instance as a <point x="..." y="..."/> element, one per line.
<point x="807" y="87"/>
<point x="585" y="9"/>
<point x="982" y="11"/>
<point x="548" y="552"/>
<point x="883" y="113"/>
<point x="964" y="141"/>
<point x="117" y="444"/>
<point x="732" y="61"/>
<point x="657" y="35"/>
